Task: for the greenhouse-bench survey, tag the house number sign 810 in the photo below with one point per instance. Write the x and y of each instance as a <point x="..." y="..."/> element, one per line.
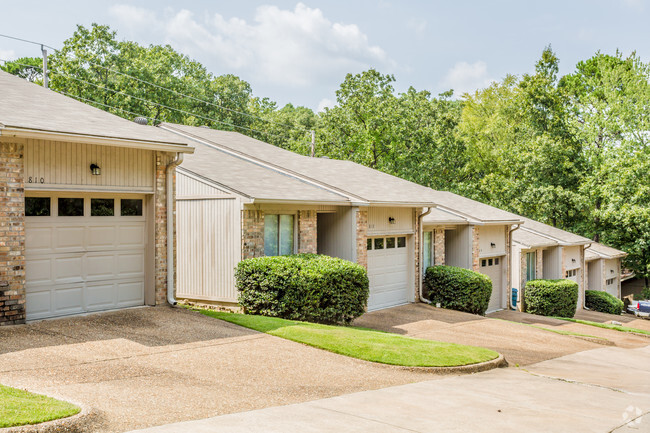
<point x="32" y="179"/>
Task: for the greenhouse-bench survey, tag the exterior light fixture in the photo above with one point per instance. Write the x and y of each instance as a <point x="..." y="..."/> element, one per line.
<point x="391" y="220"/>
<point x="95" y="170"/>
<point x="611" y="270"/>
<point x="493" y="245"/>
<point x="573" y="260"/>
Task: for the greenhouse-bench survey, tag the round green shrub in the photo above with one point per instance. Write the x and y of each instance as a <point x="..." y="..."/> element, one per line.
<point x="551" y="297"/>
<point x="307" y="287"/>
<point x="604" y="302"/>
<point x="458" y="289"/>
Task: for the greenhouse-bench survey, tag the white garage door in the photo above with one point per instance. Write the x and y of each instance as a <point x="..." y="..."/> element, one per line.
<point x="388" y="272"/>
<point x="83" y="253"/>
<point x="492" y="267"/>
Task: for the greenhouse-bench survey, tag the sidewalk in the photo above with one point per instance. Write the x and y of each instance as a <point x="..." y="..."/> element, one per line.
<point x="600" y="390"/>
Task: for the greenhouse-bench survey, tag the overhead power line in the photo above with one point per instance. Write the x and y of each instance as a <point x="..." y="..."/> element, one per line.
<point x="167" y="89"/>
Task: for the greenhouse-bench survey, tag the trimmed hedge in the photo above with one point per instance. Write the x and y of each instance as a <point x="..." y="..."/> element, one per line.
<point x="458" y="289"/>
<point x="604" y="302"/>
<point x="307" y="287"/>
<point x="557" y="298"/>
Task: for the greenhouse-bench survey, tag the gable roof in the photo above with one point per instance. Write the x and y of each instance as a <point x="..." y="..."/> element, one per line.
<point x="530" y="239"/>
<point x="361" y="184"/>
<point x="474" y="211"/>
<point x="252" y="180"/>
<point x="29" y="110"/>
<point x="561" y="236"/>
<point x="439" y="216"/>
<point x="604" y="251"/>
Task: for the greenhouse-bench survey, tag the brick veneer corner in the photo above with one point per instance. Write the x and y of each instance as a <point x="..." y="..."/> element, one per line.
<point x="12" y="234"/>
<point x="307" y="231"/>
<point x="160" y="225"/>
<point x="362" y="235"/>
<point x="475" y="249"/>
<point x="252" y="234"/>
<point x="439" y="246"/>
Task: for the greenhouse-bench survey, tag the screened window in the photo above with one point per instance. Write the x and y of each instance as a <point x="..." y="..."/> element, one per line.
<point x="37" y="206"/>
<point x="278" y="235"/>
<point x="102" y="207"/>
<point x="401" y="242"/>
<point x="368" y="244"/>
<point x="390" y="242"/>
<point x="531" y="263"/>
<point x="379" y="243"/>
<point x="71" y="206"/>
<point x="427" y="257"/>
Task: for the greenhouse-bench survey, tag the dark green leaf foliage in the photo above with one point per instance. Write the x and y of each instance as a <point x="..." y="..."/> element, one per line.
<point x="551" y="297"/>
<point x="308" y="287"/>
<point x="643" y="296"/>
<point x="458" y="289"/>
<point x="604" y="302"/>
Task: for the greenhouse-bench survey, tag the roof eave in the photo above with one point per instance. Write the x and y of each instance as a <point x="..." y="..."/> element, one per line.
<point x="93" y="139"/>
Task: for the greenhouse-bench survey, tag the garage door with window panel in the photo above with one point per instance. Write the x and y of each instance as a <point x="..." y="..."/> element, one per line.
<point x="83" y="253"/>
<point x="388" y="264"/>
<point x="493" y="268"/>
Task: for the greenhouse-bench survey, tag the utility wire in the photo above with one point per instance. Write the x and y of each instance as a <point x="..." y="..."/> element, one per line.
<point x="161" y="105"/>
<point x="165" y="88"/>
<point x="134" y="97"/>
<point x="90" y="101"/>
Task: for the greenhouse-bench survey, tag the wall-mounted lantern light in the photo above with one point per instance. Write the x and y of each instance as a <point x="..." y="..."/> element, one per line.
<point x="391" y="220"/>
<point x="611" y="270"/>
<point x="95" y="170"/>
<point x="573" y="260"/>
<point x="493" y="245"/>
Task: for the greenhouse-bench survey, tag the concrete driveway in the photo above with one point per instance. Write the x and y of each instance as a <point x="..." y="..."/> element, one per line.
<point x="151" y="366"/>
<point x="601" y="391"/>
<point x="519" y="343"/>
<point x="616" y="338"/>
<point x="626" y="319"/>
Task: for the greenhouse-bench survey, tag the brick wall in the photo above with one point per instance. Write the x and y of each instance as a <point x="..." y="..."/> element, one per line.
<point x="307" y="231"/>
<point x="12" y="234"/>
<point x="252" y="234"/>
<point x="439" y="246"/>
<point x="160" y="226"/>
<point x="476" y="265"/>
<point x="362" y="235"/>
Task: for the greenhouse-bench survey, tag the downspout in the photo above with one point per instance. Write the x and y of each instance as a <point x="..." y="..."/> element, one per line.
<point x="509" y="274"/>
<point x="171" y="299"/>
<point x="419" y="276"/>
<point x="584" y="275"/>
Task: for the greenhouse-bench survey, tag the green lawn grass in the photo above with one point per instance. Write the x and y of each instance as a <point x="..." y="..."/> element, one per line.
<point x="556" y="331"/>
<point x="18" y="407"/>
<point x="606" y="326"/>
<point x="361" y="343"/>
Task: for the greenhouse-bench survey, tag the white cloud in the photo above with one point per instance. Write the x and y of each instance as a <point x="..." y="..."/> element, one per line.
<point x="464" y="77"/>
<point x="295" y="48"/>
<point x="7" y="55"/>
<point x="325" y="103"/>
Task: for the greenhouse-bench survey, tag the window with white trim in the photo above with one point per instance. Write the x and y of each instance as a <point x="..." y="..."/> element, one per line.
<point x="278" y="235"/>
<point x="531" y="263"/>
<point x="571" y="273"/>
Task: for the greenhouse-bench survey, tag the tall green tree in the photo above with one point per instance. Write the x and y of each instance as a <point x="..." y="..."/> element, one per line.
<point x="28" y="68"/>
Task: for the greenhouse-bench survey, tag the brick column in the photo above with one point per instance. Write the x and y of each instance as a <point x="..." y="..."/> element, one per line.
<point x="362" y="235"/>
<point x="307" y="232"/>
<point x="539" y="266"/>
<point x="439" y="246"/>
<point x="522" y="279"/>
<point x="417" y="253"/>
<point x="476" y="263"/>
<point x="160" y="217"/>
<point x="252" y="234"/>
<point x="12" y="234"/>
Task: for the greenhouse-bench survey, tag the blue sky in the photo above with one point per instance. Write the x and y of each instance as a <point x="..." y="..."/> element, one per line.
<point x="299" y="52"/>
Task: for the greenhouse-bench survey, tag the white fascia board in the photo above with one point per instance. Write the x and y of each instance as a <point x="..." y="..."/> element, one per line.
<point x="92" y="139"/>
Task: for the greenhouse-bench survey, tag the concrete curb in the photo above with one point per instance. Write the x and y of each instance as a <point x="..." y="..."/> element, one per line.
<point x="88" y="420"/>
<point x="497" y="362"/>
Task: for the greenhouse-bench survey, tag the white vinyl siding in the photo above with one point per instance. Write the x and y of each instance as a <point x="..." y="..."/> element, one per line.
<point x="63" y="165"/>
<point x="278" y="235"/>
